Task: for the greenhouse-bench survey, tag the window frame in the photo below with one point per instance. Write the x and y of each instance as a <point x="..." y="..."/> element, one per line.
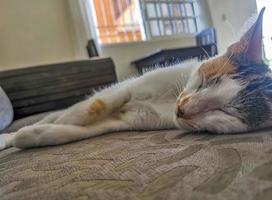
<point x="147" y="19"/>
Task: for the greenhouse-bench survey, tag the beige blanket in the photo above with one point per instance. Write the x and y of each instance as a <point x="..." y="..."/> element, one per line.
<point x="143" y="165"/>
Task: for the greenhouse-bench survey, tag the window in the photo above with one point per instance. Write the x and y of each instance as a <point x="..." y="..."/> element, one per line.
<point x="136" y="20"/>
<point x="267" y="28"/>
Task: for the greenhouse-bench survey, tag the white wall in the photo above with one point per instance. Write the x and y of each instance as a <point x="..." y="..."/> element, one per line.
<point x="34" y="32"/>
<point x="124" y="54"/>
<point x="228" y="17"/>
<point x="82" y="26"/>
<point x="202" y="11"/>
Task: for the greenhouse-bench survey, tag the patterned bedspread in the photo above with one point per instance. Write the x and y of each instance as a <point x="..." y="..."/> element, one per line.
<point x="143" y="165"/>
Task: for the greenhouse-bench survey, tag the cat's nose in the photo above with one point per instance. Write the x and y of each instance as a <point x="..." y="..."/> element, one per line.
<point x="180" y="106"/>
<point x="180" y="112"/>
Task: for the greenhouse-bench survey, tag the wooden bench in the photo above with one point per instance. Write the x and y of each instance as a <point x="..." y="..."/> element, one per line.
<point x="51" y="87"/>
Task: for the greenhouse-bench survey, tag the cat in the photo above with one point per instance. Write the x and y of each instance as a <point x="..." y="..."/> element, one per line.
<point x="230" y="93"/>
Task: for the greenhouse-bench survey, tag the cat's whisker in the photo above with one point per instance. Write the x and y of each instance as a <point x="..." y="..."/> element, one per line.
<point x="179" y="87"/>
<point x="208" y="56"/>
<point x="177" y="93"/>
<point x="228" y="60"/>
<point x="170" y="91"/>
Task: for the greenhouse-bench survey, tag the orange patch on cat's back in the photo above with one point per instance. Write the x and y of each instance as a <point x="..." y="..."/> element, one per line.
<point x="217" y="67"/>
<point x="97" y="108"/>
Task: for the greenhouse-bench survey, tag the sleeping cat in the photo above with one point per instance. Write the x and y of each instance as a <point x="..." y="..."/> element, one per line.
<point x="227" y="94"/>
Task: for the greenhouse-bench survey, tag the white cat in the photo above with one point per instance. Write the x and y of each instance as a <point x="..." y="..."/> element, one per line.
<point x="226" y="94"/>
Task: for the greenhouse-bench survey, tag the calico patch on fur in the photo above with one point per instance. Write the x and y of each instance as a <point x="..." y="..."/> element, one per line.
<point x="217" y="67"/>
<point x="253" y="99"/>
<point x="97" y="109"/>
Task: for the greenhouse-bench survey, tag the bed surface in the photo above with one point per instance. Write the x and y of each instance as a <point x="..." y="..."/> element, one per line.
<point x="157" y="165"/>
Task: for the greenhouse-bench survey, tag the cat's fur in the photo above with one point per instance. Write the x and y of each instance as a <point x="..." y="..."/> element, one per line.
<point x="227" y="94"/>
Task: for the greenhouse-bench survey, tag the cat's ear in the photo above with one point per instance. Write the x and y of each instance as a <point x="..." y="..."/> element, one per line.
<point x="250" y="44"/>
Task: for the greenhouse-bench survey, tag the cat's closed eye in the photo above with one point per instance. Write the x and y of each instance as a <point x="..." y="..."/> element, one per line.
<point x="208" y="82"/>
<point x="213" y="81"/>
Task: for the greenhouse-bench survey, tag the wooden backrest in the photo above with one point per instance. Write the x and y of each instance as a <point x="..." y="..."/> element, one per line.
<point x="57" y="86"/>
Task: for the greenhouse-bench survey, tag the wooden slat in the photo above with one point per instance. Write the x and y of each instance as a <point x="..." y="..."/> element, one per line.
<point x="26" y="81"/>
<point x="56" y="105"/>
<point x="87" y="90"/>
<point x="57" y="67"/>
<point x="52" y="89"/>
<point x="58" y="73"/>
<point x="58" y="96"/>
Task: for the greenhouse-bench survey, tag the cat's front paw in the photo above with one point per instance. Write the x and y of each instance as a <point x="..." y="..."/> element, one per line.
<point x="6" y="141"/>
<point x="29" y="136"/>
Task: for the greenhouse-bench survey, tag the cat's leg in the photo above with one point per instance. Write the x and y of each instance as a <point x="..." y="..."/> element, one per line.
<point x="6" y="140"/>
<point x="96" y="108"/>
<point x="85" y="113"/>
<point x="131" y="116"/>
<point x="54" y="134"/>
<point x="50" y="118"/>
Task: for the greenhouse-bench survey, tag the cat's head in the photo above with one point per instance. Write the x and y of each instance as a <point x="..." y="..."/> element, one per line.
<point x="229" y="93"/>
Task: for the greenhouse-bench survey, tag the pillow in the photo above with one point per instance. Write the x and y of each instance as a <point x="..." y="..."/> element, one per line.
<point x="6" y="110"/>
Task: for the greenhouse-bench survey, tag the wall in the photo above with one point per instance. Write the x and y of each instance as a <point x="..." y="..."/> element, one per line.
<point x="82" y="25"/>
<point x="228" y="17"/>
<point x="202" y="10"/>
<point x="34" y="32"/>
<point x="123" y="54"/>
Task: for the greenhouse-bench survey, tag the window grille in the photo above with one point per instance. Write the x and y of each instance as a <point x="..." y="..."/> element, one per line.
<point x="169" y="17"/>
<point x="117" y="21"/>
